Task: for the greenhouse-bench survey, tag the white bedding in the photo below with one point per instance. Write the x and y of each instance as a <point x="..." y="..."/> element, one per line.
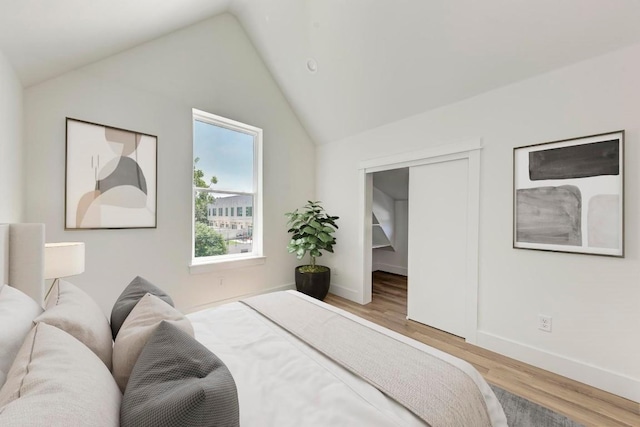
<point x="283" y="382"/>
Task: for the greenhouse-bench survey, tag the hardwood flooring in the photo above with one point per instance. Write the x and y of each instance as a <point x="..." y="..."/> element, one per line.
<point x="580" y="402"/>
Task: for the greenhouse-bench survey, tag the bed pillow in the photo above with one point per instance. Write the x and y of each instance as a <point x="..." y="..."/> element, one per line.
<point x="17" y="312"/>
<point x="138" y="288"/>
<point x="136" y="330"/>
<point x="57" y="381"/>
<point x="176" y="382"/>
<point x="69" y="308"/>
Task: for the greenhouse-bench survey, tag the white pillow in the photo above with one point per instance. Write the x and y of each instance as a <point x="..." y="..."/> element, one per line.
<point x="17" y="312"/>
<point x="69" y="308"/>
<point x="136" y="330"/>
<point x="57" y="381"/>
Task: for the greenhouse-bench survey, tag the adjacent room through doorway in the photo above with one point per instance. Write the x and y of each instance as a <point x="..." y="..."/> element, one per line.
<point x="422" y="209"/>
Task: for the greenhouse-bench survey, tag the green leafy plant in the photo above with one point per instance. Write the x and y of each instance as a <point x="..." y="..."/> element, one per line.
<point x="208" y="242"/>
<point x="203" y="199"/>
<point x="312" y="231"/>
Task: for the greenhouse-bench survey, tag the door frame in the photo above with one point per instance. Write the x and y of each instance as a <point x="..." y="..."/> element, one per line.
<point x="464" y="150"/>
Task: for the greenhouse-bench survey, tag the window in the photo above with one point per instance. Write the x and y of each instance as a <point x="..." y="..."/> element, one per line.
<point x="227" y="176"/>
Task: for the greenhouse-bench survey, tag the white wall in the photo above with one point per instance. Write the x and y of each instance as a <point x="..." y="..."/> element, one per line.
<point x="11" y="152"/>
<point x="152" y="88"/>
<point x="395" y="261"/>
<point x="594" y="301"/>
<point x="384" y="209"/>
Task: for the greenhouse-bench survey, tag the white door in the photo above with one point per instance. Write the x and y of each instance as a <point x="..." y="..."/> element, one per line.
<point x="437" y="264"/>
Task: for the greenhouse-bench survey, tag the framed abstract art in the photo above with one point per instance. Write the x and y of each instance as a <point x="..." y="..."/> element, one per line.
<point x="569" y="195"/>
<point x="111" y="177"/>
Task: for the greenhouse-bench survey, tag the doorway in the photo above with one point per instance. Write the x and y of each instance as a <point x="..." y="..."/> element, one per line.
<point x="390" y="218"/>
<point x="465" y="158"/>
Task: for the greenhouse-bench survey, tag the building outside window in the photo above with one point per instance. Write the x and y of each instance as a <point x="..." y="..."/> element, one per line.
<point x="239" y="222"/>
<point x="227" y="178"/>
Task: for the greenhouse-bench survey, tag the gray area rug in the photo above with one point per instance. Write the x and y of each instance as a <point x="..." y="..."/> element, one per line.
<point x="524" y="413"/>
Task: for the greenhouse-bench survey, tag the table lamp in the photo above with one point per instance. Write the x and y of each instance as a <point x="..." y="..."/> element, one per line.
<point x="62" y="259"/>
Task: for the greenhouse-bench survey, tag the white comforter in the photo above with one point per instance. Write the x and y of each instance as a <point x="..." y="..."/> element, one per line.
<point x="283" y="382"/>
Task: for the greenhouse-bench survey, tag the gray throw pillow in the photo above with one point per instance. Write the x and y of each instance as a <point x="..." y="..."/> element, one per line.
<point x="128" y="299"/>
<point x="178" y="382"/>
<point x="136" y="330"/>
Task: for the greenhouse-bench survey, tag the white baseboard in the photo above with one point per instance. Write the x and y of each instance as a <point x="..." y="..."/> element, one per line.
<point x="389" y="268"/>
<point x="345" y="293"/>
<point x="604" y="379"/>
<point x="239" y="297"/>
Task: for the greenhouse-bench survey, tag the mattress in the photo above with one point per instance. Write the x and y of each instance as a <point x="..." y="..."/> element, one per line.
<point x="282" y="381"/>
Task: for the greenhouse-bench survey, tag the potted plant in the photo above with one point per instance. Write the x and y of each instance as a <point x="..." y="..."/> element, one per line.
<point x="312" y="231"/>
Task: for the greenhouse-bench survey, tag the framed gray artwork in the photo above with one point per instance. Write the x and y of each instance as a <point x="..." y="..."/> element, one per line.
<point x="110" y="177"/>
<point x="569" y="195"/>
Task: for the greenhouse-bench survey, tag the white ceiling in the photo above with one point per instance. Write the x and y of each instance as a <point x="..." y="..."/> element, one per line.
<point x="394" y="182"/>
<point x="45" y="38"/>
<point x="377" y="60"/>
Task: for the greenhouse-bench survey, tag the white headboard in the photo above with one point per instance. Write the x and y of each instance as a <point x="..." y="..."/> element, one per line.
<point x="22" y="258"/>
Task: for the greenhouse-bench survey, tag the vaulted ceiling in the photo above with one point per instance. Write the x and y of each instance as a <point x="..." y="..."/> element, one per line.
<point x="345" y="66"/>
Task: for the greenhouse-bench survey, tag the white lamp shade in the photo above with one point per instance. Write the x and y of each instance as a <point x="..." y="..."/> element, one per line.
<point x="63" y="259"/>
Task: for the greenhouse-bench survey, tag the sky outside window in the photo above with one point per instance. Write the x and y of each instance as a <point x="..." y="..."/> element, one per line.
<point x="225" y="154"/>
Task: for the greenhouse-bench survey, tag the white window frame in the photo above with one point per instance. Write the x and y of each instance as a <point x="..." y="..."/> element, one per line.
<point x="256" y="256"/>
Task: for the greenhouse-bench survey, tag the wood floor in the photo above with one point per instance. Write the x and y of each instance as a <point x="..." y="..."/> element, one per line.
<point x="582" y="403"/>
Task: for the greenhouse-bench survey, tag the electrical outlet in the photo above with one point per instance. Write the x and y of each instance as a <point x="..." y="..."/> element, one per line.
<point x="544" y="322"/>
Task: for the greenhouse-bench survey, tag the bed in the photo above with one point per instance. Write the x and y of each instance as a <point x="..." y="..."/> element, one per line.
<point x="290" y="360"/>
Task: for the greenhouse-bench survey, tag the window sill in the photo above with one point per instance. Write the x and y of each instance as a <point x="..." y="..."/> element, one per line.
<point x="208" y="266"/>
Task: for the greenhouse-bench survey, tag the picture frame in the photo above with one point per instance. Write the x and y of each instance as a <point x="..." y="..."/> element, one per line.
<point x="110" y="177"/>
<point x="568" y="195"/>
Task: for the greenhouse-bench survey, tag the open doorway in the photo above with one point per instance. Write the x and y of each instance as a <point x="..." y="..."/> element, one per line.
<point x="389" y="235"/>
<point x="433" y="258"/>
